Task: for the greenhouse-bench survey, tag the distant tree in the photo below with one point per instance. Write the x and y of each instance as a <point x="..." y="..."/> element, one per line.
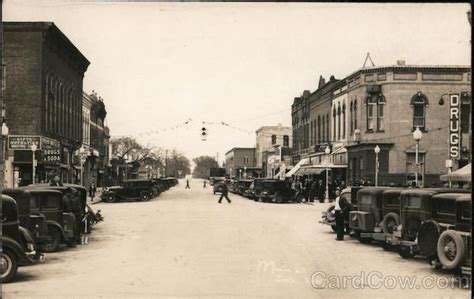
<point x="203" y="165"/>
<point x="128" y="153"/>
<point x="177" y="164"/>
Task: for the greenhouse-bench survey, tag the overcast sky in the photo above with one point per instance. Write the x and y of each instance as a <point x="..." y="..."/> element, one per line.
<point x="159" y="64"/>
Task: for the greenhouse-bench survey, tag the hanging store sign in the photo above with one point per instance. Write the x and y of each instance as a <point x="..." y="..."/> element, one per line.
<point x="51" y="150"/>
<point x="23" y="142"/>
<point x="454" y="127"/>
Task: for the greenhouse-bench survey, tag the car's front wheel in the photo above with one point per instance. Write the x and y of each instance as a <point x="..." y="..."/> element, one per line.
<point x="110" y="198"/>
<point x="144" y="196"/>
<point x="54" y="240"/>
<point x="8" y="265"/>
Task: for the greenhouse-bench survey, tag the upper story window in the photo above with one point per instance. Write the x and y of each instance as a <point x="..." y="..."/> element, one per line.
<point x="274" y="139"/>
<point x="465" y="112"/>
<point x="419" y="102"/>
<point x="375" y="106"/>
<point x="286" y="140"/>
<point x="246" y="160"/>
<point x="344" y="120"/>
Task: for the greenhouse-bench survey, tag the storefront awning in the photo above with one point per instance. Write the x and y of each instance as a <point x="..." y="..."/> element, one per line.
<point x="310" y="170"/>
<point x="460" y="175"/>
<point x="297" y="167"/>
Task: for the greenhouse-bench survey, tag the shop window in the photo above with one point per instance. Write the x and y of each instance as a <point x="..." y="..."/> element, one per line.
<point x="419" y="103"/>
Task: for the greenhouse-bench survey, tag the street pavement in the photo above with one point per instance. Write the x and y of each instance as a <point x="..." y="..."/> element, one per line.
<point x="185" y="244"/>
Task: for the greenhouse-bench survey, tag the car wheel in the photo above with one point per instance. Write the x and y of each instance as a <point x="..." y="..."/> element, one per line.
<point x="8" y="265"/>
<point x="279" y="198"/>
<point x="330" y="216"/>
<point x="451" y="249"/>
<point x="299" y="198"/>
<point x="144" y="196"/>
<point x="110" y="198"/>
<point x="390" y="222"/>
<point x="387" y="246"/>
<point x="333" y="227"/>
<point x="428" y="237"/>
<point x="404" y="252"/>
<point x="55" y="240"/>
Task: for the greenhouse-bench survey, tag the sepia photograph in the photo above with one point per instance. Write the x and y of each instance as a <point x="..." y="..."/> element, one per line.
<point x="235" y="149"/>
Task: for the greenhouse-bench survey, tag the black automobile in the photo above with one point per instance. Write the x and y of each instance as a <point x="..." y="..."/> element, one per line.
<point x="18" y="247"/>
<point x="157" y="188"/>
<point x="62" y="224"/>
<point x="278" y="192"/>
<point x="34" y="222"/>
<point x="416" y="207"/>
<point x="243" y="187"/>
<point x="139" y="190"/>
<point x="454" y="245"/>
<point x="256" y="188"/>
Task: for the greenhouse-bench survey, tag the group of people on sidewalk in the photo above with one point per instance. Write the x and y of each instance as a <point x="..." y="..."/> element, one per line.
<point x="311" y="188"/>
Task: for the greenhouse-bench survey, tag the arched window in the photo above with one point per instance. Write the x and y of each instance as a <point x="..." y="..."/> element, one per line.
<point x="286" y="140"/>
<point x="334" y="124"/>
<point x="355" y="114"/>
<point x="343" y="120"/>
<point x="351" y="118"/>
<point x="327" y="128"/>
<point x="319" y="129"/>
<point x="274" y="139"/>
<point x="323" y="136"/>
<point x="419" y="102"/>
<point x="338" y="121"/>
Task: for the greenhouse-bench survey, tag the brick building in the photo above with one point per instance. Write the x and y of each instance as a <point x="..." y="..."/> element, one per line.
<point x="383" y="106"/>
<point x="95" y="141"/>
<point x="240" y="162"/>
<point x="43" y="99"/>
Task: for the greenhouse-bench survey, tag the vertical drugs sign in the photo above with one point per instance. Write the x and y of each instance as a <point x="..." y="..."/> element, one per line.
<point x="454" y="127"/>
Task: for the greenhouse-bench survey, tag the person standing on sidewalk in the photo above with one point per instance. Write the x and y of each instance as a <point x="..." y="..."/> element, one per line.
<point x="225" y="192"/>
<point x="339" y="218"/>
<point x="92" y="190"/>
<point x="187" y="184"/>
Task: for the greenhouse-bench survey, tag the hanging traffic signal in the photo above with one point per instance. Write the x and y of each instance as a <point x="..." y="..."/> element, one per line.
<point x="203" y="133"/>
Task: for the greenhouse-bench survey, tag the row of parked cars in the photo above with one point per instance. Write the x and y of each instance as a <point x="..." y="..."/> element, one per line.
<point x="40" y="218"/>
<point x="434" y="223"/>
<point x="138" y="189"/>
<point x="261" y="189"/>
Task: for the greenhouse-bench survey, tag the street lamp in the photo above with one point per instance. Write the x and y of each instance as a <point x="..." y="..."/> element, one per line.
<point x="417" y="134"/>
<point x="240" y="173"/>
<point x="327" y="151"/>
<point x="33" y="148"/>
<point x="245" y="172"/>
<point x="377" y="152"/>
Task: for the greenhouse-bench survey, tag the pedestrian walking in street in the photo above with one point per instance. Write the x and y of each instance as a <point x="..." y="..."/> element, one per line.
<point x="204" y="184"/>
<point x="225" y="192"/>
<point x="339" y="218"/>
<point x="187" y="184"/>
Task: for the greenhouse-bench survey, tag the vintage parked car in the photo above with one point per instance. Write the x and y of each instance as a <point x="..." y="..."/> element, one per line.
<point x="243" y="186"/>
<point x="279" y="192"/>
<point x="34" y="222"/>
<point x="139" y="190"/>
<point x="368" y="216"/>
<point x="62" y="225"/>
<point x="416" y="207"/>
<point x="385" y="212"/>
<point x="454" y="245"/>
<point x="233" y="185"/>
<point x="18" y="247"/>
<point x="329" y="216"/>
<point x="255" y="189"/>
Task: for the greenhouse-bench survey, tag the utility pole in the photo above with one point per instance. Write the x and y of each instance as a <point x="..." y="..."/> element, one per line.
<point x="217" y="158"/>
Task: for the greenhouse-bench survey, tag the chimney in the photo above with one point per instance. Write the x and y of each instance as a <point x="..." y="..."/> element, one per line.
<point x="401" y="62"/>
